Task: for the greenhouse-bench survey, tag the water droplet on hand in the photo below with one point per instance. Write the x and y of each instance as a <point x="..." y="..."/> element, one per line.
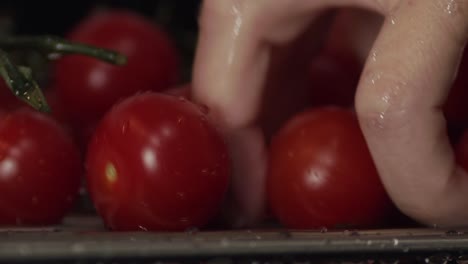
<point x="451" y="7"/>
<point x="203" y="108"/>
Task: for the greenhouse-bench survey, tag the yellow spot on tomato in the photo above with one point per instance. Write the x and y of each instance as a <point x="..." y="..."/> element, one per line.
<point x="111" y="172"/>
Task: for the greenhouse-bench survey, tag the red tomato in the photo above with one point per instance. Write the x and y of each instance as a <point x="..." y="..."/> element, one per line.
<point x="8" y="101"/>
<point x="89" y="87"/>
<point x="58" y="109"/>
<point x="40" y="169"/>
<point x="321" y="173"/>
<point x="156" y="163"/>
<point x="333" y="79"/>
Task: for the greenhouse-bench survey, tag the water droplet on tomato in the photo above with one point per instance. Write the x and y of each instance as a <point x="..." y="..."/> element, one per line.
<point x="181" y="195"/>
<point x="142" y="228"/>
<point x="35" y="200"/>
<point x="18" y="221"/>
<point x="125" y="127"/>
<point x="180" y="119"/>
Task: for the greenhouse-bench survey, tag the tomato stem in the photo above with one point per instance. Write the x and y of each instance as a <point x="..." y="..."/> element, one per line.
<point x="21" y="83"/>
<point x="55" y="45"/>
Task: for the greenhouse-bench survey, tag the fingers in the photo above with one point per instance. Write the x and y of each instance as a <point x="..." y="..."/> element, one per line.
<point x="246" y="203"/>
<point x="235" y="46"/>
<point x="233" y="56"/>
<point x="399" y="99"/>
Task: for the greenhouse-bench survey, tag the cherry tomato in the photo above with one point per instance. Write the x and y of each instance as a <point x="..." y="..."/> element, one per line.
<point x="321" y="173"/>
<point x="333" y="78"/>
<point x="89" y="87"/>
<point x="8" y="101"/>
<point x="156" y="162"/>
<point x="40" y="169"/>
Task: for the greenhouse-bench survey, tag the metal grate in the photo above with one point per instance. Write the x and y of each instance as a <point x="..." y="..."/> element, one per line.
<point x="84" y="240"/>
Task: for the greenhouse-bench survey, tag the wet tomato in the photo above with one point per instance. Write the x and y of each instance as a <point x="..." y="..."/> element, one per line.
<point x="40" y="169"/>
<point x="321" y="174"/>
<point x="89" y="87"/>
<point x="156" y="162"/>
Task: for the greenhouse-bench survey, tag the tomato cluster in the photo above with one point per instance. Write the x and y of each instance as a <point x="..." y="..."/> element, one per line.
<point x="149" y="161"/>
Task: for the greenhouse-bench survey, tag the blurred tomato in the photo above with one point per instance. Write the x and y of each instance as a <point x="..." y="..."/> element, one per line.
<point x="89" y="87"/>
<point x="40" y="169"/>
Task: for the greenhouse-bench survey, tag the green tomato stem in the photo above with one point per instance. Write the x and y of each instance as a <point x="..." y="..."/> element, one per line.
<point x="57" y="45"/>
<point x="21" y="83"/>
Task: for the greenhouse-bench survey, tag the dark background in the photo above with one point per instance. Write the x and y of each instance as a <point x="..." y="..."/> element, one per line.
<point x="35" y="17"/>
<point x="177" y="17"/>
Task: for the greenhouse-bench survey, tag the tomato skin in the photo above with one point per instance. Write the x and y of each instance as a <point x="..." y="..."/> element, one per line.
<point x="8" y="101"/>
<point x="89" y="87"/>
<point x="321" y="173"/>
<point x="40" y="169"/>
<point x="156" y="163"/>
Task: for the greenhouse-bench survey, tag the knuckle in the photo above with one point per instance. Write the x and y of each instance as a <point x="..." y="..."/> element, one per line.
<point x="451" y="17"/>
<point x="383" y="102"/>
<point x="214" y="11"/>
<point x="387" y="6"/>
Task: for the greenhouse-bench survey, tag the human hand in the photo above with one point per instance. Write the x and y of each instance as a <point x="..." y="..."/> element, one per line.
<point x="249" y="57"/>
